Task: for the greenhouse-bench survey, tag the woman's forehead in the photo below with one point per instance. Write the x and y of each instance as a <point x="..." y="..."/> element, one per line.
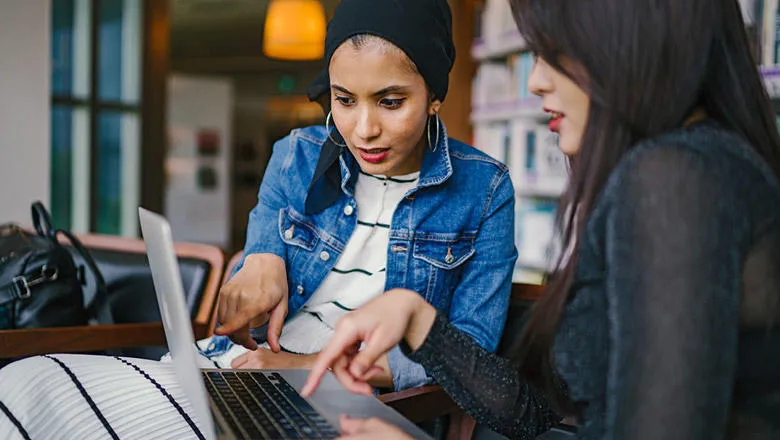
<point x="372" y="68"/>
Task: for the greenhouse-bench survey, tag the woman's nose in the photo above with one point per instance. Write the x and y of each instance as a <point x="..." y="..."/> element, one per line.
<point x="538" y="81"/>
<point x="367" y="126"/>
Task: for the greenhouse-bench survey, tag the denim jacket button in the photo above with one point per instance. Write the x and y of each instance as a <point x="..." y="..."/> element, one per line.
<point x="288" y="234"/>
<point x="324" y="256"/>
<point x="348" y="210"/>
<point x="300" y="290"/>
<point x="449" y="258"/>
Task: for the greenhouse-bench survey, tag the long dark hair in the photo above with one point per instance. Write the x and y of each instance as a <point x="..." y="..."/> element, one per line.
<point x="646" y="65"/>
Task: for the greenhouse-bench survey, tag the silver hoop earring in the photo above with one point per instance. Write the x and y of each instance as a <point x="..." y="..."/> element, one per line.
<point x="433" y="147"/>
<point x="327" y="128"/>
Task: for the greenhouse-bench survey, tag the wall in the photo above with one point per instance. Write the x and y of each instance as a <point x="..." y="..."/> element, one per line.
<point x="198" y="187"/>
<point x="456" y="111"/>
<point x="24" y="107"/>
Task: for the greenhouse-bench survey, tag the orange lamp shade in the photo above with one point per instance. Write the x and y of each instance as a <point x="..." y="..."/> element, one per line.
<point x="294" y="30"/>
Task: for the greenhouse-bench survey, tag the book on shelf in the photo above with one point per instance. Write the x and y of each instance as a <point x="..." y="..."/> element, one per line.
<point x="762" y="21"/>
<point x="539" y="172"/>
<point x="497" y="23"/>
<point x="534" y="233"/>
<point x="538" y="167"/>
<point x="502" y="83"/>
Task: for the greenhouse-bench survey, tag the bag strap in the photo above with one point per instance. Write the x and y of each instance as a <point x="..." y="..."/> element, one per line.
<point x="42" y="220"/>
<point x="98" y="306"/>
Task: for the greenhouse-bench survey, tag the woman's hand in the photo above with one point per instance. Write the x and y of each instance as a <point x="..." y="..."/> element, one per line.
<point x="380" y="324"/>
<point x="369" y="429"/>
<point x="255" y="295"/>
<point x="264" y="359"/>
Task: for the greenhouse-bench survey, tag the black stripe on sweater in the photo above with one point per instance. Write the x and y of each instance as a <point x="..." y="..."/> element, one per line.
<point x="86" y="396"/>
<point x="342" y="306"/>
<point x="167" y="395"/>
<point x="14" y="420"/>
<point x="371" y="225"/>
<point x="392" y="179"/>
<point x="290" y="351"/>
<point x="344" y="272"/>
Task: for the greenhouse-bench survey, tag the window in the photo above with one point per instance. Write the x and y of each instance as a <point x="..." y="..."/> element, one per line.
<point x="96" y="113"/>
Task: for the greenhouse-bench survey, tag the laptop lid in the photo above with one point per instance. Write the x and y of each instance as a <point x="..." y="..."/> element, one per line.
<point x="176" y="320"/>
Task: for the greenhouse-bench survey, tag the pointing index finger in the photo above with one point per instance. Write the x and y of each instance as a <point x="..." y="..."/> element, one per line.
<point x="340" y="344"/>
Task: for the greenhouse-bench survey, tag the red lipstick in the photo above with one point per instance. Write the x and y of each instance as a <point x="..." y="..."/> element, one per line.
<point x="374" y="155"/>
<point x="556" y="118"/>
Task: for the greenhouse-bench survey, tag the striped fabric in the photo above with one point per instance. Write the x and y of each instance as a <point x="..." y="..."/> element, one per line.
<point x="359" y="274"/>
<point x="93" y="397"/>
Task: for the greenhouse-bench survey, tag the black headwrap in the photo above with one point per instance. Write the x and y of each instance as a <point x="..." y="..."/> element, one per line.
<point x="421" y="28"/>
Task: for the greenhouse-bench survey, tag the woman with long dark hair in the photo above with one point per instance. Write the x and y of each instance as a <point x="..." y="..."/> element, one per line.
<point x="659" y="321"/>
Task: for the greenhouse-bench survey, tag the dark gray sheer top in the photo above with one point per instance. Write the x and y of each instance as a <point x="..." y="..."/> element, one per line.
<point x="673" y="330"/>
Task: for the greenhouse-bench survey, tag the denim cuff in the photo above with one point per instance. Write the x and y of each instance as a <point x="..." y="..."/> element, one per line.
<point x="406" y="374"/>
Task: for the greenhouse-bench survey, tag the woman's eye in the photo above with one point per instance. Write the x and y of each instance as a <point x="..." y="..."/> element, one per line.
<point x="343" y="100"/>
<point x="392" y="103"/>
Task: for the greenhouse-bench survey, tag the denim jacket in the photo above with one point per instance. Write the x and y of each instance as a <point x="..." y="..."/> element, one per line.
<point x="451" y="238"/>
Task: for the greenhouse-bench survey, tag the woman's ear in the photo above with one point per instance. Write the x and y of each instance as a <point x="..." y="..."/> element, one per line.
<point x="434" y="107"/>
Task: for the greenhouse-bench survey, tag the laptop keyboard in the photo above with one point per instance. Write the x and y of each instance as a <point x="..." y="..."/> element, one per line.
<point x="260" y="405"/>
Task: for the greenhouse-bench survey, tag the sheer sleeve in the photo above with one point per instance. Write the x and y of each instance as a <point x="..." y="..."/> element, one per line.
<point x="674" y="241"/>
<point x="487" y="386"/>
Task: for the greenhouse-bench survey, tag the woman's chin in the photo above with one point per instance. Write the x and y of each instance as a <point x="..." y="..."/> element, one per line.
<point x="568" y="146"/>
<point x="380" y="169"/>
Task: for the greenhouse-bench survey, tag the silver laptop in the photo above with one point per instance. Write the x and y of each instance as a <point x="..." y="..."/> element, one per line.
<point x="238" y="404"/>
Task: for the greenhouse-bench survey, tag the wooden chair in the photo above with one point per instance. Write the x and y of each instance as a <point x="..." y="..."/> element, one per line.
<point x="123" y="263"/>
<point x="425" y="403"/>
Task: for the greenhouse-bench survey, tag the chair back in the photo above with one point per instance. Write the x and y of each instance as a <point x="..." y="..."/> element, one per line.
<point x="521" y="301"/>
<point x="125" y="267"/>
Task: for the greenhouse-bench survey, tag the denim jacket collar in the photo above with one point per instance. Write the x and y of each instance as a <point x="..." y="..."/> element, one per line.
<point x="337" y="172"/>
<point x="437" y="165"/>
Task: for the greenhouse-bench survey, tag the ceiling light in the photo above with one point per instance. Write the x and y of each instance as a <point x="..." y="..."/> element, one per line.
<point x="294" y="30"/>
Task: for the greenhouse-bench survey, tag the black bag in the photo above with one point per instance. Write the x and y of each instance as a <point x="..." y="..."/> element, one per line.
<point x="40" y="285"/>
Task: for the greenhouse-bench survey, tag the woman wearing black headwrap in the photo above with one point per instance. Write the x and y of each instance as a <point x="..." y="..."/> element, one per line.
<point x="378" y="198"/>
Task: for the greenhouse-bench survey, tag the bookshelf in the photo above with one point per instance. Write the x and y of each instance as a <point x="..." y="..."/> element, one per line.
<point x="509" y="42"/>
<point x="510" y="125"/>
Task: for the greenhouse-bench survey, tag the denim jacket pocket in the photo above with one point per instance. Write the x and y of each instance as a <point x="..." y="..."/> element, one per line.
<point x="295" y="230"/>
<point x="445" y="251"/>
<point x="439" y="260"/>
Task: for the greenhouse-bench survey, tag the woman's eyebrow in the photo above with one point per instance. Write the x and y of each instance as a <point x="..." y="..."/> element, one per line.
<point x="390" y="89"/>
<point x="340" y="89"/>
<point x="384" y="91"/>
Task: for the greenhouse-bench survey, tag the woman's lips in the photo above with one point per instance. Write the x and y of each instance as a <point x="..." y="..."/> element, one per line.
<point x="374" y="155"/>
<point x="556" y="118"/>
<point x="555" y="123"/>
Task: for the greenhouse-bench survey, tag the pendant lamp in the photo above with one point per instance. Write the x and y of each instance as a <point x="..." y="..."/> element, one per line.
<point x="294" y="30"/>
